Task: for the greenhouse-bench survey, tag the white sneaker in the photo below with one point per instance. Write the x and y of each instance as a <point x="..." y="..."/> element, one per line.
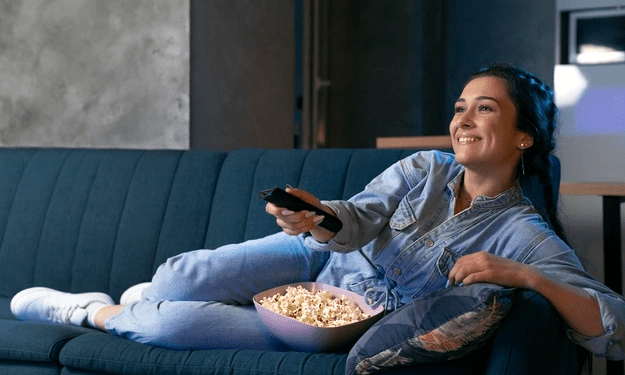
<point x="49" y="305"/>
<point x="133" y="294"/>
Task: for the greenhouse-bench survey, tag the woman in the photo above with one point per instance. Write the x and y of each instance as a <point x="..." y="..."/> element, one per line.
<point x="430" y="220"/>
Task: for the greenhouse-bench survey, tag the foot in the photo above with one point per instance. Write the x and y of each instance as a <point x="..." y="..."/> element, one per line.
<point x="49" y="305"/>
<point x="133" y="294"/>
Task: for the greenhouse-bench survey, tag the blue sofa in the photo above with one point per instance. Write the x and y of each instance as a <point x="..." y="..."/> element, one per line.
<point x="103" y="220"/>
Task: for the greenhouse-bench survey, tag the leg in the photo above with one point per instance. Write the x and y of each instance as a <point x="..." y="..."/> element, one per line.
<point x="235" y="273"/>
<point x="202" y="299"/>
<point x="104" y="313"/>
<point x="192" y="325"/>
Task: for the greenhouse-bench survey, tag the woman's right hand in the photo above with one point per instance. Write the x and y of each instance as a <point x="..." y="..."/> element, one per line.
<point x="294" y="223"/>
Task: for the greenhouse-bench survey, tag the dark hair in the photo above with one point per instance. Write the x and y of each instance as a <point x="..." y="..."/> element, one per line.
<point x="537" y="115"/>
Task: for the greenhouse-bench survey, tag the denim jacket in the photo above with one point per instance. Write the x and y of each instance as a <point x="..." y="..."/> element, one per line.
<point x="400" y="236"/>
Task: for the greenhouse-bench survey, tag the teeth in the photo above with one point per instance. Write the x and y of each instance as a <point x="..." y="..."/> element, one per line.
<point x="468" y="139"/>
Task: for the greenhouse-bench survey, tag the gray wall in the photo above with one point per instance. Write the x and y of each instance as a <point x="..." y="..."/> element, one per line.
<point x="79" y="73"/>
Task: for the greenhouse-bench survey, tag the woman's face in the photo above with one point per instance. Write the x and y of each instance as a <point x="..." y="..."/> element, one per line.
<point x="483" y="130"/>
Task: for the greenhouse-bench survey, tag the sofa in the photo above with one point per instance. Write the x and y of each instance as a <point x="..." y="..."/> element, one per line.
<point x="104" y="219"/>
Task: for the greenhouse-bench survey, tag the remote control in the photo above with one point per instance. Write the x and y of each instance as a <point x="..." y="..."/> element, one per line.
<point x="283" y="199"/>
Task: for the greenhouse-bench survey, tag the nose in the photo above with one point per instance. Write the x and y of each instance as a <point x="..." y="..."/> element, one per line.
<point x="464" y="120"/>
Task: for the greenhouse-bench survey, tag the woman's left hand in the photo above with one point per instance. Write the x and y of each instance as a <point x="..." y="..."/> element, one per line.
<point x="489" y="268"/>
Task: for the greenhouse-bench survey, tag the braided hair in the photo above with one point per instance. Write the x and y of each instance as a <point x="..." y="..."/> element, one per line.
<point x="537" y="115"/>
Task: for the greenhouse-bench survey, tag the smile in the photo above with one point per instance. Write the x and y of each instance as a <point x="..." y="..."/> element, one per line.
<point x="468" y="139"/>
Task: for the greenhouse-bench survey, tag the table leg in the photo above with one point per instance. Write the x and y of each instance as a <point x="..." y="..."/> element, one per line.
<point x="613" y="258"/>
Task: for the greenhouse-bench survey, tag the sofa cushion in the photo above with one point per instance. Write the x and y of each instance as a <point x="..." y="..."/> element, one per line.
<point x="35" y="342"/>
<point x="444" y="325"/>
<point x="106" y="353"/>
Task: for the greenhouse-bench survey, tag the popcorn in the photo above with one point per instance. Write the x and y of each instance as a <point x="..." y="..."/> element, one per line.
<point x="320" y="309"/>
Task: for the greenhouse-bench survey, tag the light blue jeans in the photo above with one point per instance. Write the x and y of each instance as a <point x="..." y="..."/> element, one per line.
<point x="203" y="299"/>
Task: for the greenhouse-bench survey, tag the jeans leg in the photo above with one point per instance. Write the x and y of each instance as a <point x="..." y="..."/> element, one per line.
<point x="235" y="273"/>
<point x="186" y="325"/>
<point x="202" y="299"/>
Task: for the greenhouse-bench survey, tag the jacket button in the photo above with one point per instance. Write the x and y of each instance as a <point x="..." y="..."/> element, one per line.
<point x="397" y="271"/>
<point x="429" y="242"/>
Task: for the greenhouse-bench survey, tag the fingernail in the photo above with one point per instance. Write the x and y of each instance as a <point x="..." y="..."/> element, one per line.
<point x="289" y="186"/>
<point x="287" y="212"/>
<point x="318" y="219"/>
<point x="310" y="214"/>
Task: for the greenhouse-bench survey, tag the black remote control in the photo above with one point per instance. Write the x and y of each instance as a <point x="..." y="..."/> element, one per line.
<point x="283" y="199"/>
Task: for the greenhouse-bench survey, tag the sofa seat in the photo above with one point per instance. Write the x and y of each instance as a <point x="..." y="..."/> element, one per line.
<point x="34" y="346"/>
<point x="106" y="353"/>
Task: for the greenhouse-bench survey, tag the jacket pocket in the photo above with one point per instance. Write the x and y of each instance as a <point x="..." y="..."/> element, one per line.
<point x="403" y="217"/>
<point x="446" y="261"/>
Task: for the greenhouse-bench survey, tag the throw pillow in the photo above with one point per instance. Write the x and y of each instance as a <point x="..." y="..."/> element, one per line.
<point x="446" y="324"/>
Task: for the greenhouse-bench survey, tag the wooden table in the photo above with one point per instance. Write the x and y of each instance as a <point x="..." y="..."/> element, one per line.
<point x="613" y="194"/>
<point x="441" y="142"/>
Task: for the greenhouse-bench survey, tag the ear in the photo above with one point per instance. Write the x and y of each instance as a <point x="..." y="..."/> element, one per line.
<point x="525" y="141"/>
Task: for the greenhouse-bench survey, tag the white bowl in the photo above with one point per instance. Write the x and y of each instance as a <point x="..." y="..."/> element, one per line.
<point x="309" y="338"/>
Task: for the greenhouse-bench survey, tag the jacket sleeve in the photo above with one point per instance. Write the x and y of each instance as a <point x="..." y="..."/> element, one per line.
<point x="368" y="212"/>
<point x="555" y="258"/>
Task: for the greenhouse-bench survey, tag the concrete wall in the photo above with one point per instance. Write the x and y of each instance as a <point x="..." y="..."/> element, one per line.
<point x="78" y="73"/>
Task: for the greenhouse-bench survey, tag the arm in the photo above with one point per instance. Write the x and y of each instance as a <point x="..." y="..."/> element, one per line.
<point x="362" y="216"/>
<point x="578" y="308"/>
<point x="368" y="212"/>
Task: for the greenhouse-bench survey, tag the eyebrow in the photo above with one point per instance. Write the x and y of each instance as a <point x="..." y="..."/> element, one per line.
<point x="479" y="98"/>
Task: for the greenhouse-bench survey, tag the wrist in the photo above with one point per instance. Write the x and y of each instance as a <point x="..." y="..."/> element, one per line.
<point x="535" y="279"/>
<point x="321" y="235"/>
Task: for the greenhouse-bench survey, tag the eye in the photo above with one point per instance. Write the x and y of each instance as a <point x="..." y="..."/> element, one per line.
<point x="459" y="109"/>
<point x="485" y="107"/>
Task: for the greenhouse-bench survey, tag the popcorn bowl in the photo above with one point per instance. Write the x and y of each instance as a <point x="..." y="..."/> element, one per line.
<point x="308" y="338"/>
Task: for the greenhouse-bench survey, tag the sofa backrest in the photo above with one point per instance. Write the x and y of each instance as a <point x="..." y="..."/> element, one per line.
<point x="102" y="220"/>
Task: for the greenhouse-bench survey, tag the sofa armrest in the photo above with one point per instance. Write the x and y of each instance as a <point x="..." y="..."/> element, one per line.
<point x="532" y="339"/>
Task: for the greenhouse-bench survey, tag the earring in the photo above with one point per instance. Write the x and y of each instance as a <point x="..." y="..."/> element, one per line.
<point x="523" y="163"/>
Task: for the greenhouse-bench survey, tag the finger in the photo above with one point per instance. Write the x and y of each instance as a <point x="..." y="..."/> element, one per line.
<point x="456" y="278"/>
<point x="299" y="222"/>
<point x="461" y="270"/>
<point x="274" y="210"/>
<point x="455" y="274"/>
<point x="473" y="278"/>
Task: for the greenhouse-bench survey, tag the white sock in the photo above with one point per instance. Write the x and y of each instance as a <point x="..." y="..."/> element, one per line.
<point x="92" y="310"/>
